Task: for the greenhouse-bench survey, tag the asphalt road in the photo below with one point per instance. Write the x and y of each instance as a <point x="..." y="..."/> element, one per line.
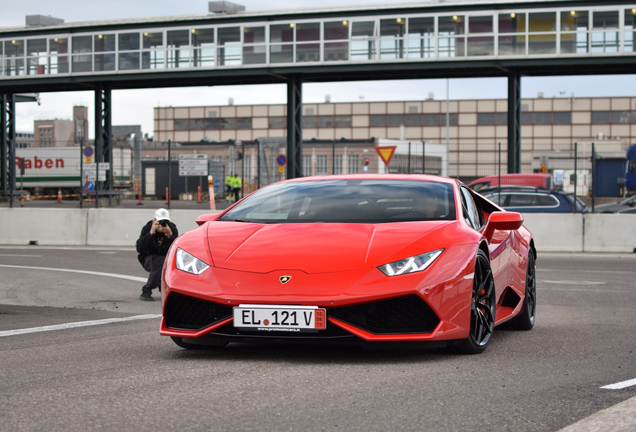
<point x="124" y="376"/>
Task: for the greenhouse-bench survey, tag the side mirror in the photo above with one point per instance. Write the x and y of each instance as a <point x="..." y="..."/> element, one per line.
<point x="502" y="221"/>
<point x="206" y="218"/>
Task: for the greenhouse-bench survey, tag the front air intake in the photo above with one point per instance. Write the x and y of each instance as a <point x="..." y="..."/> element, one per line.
<point x="190" y="313"/>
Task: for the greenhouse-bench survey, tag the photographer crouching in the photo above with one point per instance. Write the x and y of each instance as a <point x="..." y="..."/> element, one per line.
<point x="153" y="244"/>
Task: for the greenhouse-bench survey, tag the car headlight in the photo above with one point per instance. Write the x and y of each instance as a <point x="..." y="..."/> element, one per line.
<point x="413" y="264"/>
<point x="189" y="263"/>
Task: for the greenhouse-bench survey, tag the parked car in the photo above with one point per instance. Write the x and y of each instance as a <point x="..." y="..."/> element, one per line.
<point x="535" y="180"/>
<point x="626" y="206"/>
<point x="525" y="199"/>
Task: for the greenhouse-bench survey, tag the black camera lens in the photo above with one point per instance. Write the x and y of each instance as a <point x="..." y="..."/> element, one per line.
<point x="163" y="223"/>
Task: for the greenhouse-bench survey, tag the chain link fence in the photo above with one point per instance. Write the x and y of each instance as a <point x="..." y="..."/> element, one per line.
<point x="212" y="175"/>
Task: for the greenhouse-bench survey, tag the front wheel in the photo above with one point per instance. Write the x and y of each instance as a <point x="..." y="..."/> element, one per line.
<point x="482" y="309"/>
<point x="525" y="321"/>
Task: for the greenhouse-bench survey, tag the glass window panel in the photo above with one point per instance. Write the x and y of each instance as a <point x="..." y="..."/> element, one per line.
<point x="178" y="38"/>
<point x="181" y="124"/>
<point x="104" y="43"/>
<point x="14" y="48"/>
<point x="307" y="32"/>
<point x="58" y="64"/>
<point x="153" y="40"/>
<point x="352" y="164"/>
<point x="512" y="45"/>
<point x="306" y="165"/>
<point x="485" y="118"/>
<point x="605" y="20"/>
<point x="562" y="117"/>
<point x="82" y="63"/>
<point x="205" y="37"/>
<point x="244" y="123"/>
<point x="620" y="116"/>
<point x="229" y="52"/>
<point x="196" y="124"/>
<point x="307" y="52"/>
<point x="325" y="121"/>
<point x="254" y="54"/>
<point x="36" y="47"/>
<point x="337" y="164"/>
<point x="343" y="121"/>
<point x="542" y="44"/>
<point x="336" y="51"/>
<point x="212" y="123"/>
<point x="203" y="42"/>
<point x="229" y="35"/>
<point x="394" y="120"/>
<point x="421" y="27"/>
<point x="129" y="42"/>
<point x="321" y="164"/>
<point x="363" y="29"/>
<point x="512" y="23"/>
<point x="480" y="24"/>
<point x="36" y="65"/>
<point x="481" y="46"/>
<point x="451" y="25"/>
<point x="542" y="22"/>
<point x="413" y="120"/>
<point x="228" y="123"/>
<point x="526" y="118"/>
<point x="377" y="120"/>
<point x="391" y="48"/>
<point x="336" y="30"/>
<point x="363" y="50"/>
<point x="281" y="33"/>
<point x="82" y="44"/>
<point x="542" y="118"/>
<point x="281" y="53"/>
<point x="502" y="118"/>
<point x="152" y="59"/>
<point x="277" y="122"/>
<point x="129" y="61"/>
<point x="253" y="35"/>
<point x="393" y="27"/>
<point x="604" y="42"/>
<point x="432" y="119"/>
<point x="310" y="122"/>
<point x="58" y="46"/>
<point x="633" y="116"/>
<point x="421" y="48"/>
<point x="450" y="47"/>
<point x="630" y="30"/>
<point x="574" y="21"/>
<point x="104" y="62"/>
<point x="452" y="119"/>
<point x="574" y="43"/>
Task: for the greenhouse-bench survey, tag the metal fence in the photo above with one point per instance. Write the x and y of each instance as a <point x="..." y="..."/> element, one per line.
<point x="195" y="175"/>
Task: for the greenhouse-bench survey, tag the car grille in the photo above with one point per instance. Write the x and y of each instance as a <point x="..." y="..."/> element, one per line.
<point x="408" y="314"/>
<point x="190" y="313"/>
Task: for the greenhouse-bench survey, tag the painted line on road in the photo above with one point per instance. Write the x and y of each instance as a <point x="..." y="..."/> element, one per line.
<point x="76" y="325"/>
<point x="24" y="256"/>
<point x="113" y="275"/>
<point x="620" y="385"/>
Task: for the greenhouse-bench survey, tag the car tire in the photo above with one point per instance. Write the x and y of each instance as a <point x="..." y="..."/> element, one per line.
<point x="482" y="309"/>
<point x="206" y="344"/>
<point x="526" y="320"/>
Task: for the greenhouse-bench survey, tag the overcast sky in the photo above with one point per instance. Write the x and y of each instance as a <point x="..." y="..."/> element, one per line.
<point x="136" y="106"/>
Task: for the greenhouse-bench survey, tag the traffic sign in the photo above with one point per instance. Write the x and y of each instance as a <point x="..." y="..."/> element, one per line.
<point x="193" y="165"/>
<point x="89" y="186"/>
<point x="88" y="151"/>
<point x="386" y="153"/>
<point x="281" y="160"/>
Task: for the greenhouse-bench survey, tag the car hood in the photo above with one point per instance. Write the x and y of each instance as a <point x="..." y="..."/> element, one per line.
<point x="317" y="247"/>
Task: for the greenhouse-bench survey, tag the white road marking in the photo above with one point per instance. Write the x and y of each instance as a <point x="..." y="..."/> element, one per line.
<point x="27" y="256"/>
<point x="620" y="385"/>
<point x="75" y="325"/>
<point x="571" y="282"/>
<point x="113" y="275"/>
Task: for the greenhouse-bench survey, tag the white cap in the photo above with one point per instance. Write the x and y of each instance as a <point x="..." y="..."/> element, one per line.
<point x="162" y="214"/>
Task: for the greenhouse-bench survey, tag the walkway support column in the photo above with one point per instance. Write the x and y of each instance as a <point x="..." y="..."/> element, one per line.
<point x="7" y="143"/>
<point x="294" y="127"/>
<point x="103" y="134"/>
<point x="514" y="122"/>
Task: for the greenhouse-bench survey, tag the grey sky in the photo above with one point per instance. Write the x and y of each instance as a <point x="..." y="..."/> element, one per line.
<point x="136" y="106"/>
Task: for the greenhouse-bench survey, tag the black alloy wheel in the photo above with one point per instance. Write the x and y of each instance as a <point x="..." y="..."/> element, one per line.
<point x="482" y="309"/>
<point x="525" y="321"/>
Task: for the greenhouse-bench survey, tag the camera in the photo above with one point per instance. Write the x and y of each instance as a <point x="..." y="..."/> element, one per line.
<point x="163" y="223"/>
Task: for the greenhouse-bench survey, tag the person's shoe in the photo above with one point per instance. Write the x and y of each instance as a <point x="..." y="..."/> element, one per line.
<point x="159" y="288"/>
<point x="146" y="297"/>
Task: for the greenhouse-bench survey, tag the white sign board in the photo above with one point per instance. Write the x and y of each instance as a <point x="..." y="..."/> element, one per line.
<point x="90" y="171"/>
<point x="193" y="165"/>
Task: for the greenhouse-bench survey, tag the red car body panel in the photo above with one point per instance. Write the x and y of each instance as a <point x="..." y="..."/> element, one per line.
<point x="334" y="265"/>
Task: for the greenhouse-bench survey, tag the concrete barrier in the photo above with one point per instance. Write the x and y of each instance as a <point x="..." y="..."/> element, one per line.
<point x="121" y="227"/>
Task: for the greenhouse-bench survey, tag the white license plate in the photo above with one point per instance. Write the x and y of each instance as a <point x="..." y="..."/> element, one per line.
<point x="280" y="318"/>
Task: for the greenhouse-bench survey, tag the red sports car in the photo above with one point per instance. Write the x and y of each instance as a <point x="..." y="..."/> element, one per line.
<point x="366" y="259"/>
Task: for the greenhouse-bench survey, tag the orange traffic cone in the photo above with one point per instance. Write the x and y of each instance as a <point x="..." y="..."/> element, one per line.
<point x="59" y="195"/>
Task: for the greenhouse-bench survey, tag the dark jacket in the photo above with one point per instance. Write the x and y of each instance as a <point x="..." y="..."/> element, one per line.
<point x="157" y="244"/>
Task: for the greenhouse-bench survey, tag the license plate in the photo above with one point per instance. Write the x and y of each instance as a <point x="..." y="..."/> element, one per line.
<point x="280" y="318"/>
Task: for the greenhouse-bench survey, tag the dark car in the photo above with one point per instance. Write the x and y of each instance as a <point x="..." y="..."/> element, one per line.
<point x="626" y="206"/>
<point x="534" y="200"/>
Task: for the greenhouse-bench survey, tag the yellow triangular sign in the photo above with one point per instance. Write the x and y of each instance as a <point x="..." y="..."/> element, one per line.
<point x="386" y="153"/>
<point x="543" y="169"/>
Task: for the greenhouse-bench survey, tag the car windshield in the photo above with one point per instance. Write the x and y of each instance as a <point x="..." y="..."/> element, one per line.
<point x="347" y="201"/>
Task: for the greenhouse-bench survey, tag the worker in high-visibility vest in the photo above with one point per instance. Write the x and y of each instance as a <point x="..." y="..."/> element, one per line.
<point x="229" y="188"/>
<point x="237" y="184"/>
